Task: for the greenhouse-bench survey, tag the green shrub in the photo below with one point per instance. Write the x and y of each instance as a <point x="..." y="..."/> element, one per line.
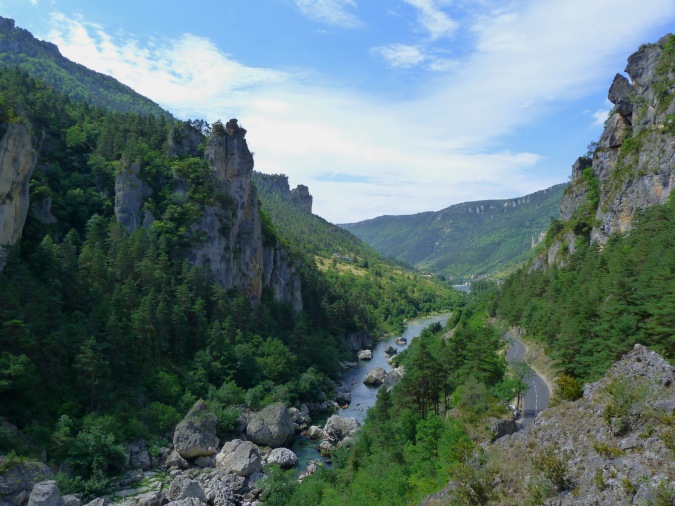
<point x="552" y="463"/>
<point x="161" y="418"/>
<point x="94" y="453"/>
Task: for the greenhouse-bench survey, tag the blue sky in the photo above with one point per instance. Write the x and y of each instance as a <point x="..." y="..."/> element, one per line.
<point x="379" y="106"/>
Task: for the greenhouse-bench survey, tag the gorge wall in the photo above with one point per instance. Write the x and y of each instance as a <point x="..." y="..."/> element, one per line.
<point x="632" y="165"/>
<point x="231" y="244"/>
<point x="18" y="157"/>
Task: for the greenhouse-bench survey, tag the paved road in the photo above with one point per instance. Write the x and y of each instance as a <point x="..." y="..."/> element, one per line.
<point x="538" y="395"/>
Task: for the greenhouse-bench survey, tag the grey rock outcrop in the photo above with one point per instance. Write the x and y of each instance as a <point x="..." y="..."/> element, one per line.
<point x="641" y="174"/>
<point x="45" y="493"/>
<point x="18" y="157"/>
<point x="302" y="198"/>
<point x="184" y="140"/>
<point x="603" y="465"/>
<point x="182" y="487"/>
<point x="365" y="355"/>
<point x="195" y="436"/>
<point x="339" y="428"/>
<point x="272" y="426"/>
<point x="633" y="166"/>
<point x="375" y="376"/>
<point x="239" y="457"/>
<point x="233" y="248"/>
<point x="130" y="192"/>
<point x="18" y="480"/>
<point x="283" y="457"/>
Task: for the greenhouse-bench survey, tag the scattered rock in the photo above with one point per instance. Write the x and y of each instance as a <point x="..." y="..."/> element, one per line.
<point x="365" y="355"/>
<point x="390" y="351"/>
<point x="271" y="426"/>
<point x="239" y="457"/>
<point x="175" y="460"/>
<point x="22" y="476"/>
<point x="343" y="394"/>
<point x="45" y="493"/>
<point x="401" y="341"/>
<point x="100" y="501"/>
<point x="72" y="500"/>
<point x="183" y="487"/>
<point x="339" y="428"/>
<point x="316" y="433"/>
<point x="283" y="457"/>
<point x="204" y="461"/>
<point x="375" y="376"/>
<point x="195" y="436"/>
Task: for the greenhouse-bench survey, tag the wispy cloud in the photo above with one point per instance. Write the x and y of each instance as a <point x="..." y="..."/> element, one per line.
<point x="430" y="16"/>
<point x="331" y="12"/>
<point x="400" y="55"/>
<point x="407" y="56"/>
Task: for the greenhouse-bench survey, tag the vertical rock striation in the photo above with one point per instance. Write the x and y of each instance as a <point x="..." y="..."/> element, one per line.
<point x="17" y="162"/>
<point x="636" y="154"/>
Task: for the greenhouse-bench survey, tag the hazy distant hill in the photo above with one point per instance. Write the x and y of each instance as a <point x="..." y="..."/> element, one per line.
<point x="43" y="60"/>
<point x="473" y="238"/>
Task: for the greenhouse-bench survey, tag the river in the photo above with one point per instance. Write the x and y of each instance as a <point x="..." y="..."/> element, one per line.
<point x="363" y="396"/>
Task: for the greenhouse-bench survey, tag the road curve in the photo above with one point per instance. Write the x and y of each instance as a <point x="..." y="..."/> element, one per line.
<point x="538" y="395"/>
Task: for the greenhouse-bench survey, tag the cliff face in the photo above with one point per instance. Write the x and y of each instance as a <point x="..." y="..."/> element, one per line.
<point x="633" y="164"/>
<point x="17" y="162"/>
<point x="231" y="242"/>
<point x="278" y="184"/>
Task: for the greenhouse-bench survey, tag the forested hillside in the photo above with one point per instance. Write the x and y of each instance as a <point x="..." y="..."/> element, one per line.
<point x="110" y="329"/>
<point x="466" y="240"/>
<point x="18" y="48"/>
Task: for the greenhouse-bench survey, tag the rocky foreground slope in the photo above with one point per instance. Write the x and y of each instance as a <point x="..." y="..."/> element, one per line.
<point x="614" y="446"/>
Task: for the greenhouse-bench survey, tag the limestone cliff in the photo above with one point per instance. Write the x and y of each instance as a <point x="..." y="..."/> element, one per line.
<point x="278" y="184"/>
<point x="230" y="241"/>
<point x="17" y="162"/>
<point x="636" y="157"/>
<point x="632" y="165"/>
<point x="130" y="192"/>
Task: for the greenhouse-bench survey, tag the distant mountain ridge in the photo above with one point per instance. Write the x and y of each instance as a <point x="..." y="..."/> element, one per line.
<point x="43" y="60"/>
<point x="464" y="240"/>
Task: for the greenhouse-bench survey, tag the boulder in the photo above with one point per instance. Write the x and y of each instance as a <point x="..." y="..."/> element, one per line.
<point x="239" y="457"/>
<point x="155" y="498"/>
<point x="365" y="355"/>
<point x="401" y="341"/>
<point x="325" y="448"/>
<point x="271" y="426"/>
<point x="195" y="436"/>
<point x="45" y="493"/>
<point x="223" y="489"/>
<point x="339" y="428"/>
<point x="72" y="500"/>
<point x="283" y="457"/>
<point x="22" y="476"/>
<point x="392" y="378"/>
<point x="204" y="461"/>
<point x="100" y="501"/>
<point x="175" y="460"/>
<point x="343" y="394"/>
<point x="316" y="433"/>
<point x="390" y="351"/>
<point x="188" y="501"/>
<point x="375" y="377"/>
<point x="182" y="487"/>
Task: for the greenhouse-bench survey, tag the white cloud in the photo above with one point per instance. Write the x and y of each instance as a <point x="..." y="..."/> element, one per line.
<point x="436" y="22"/>
<point x="439" y="146"/>
<point x="331" y="12"/>
<point x="601" y="115"/>
<point x="406" y="56"/>
<point x="400" y="55"/>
